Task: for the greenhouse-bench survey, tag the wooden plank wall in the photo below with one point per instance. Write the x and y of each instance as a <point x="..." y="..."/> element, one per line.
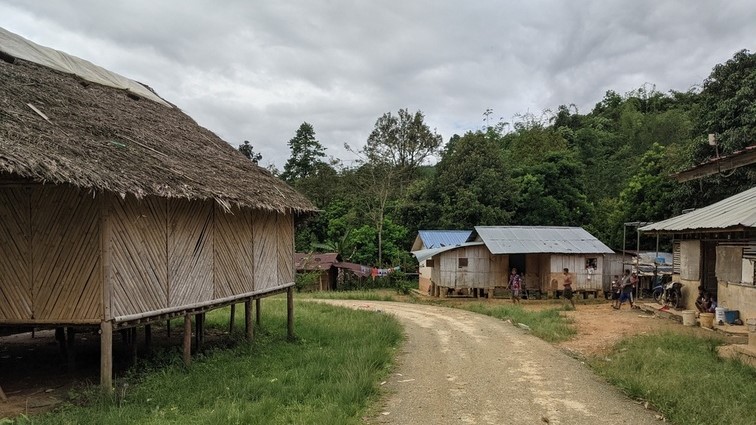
<point x="138" y="255"/>
<point x="234" y="254"/>
<point x="190" y="252"/>
<point x="15" y="257"/>
<point x="580" y="277"/>
<point x="483" y="269"/>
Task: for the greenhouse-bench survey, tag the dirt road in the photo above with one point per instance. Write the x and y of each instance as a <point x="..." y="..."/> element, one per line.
<point x="458" y="367"/>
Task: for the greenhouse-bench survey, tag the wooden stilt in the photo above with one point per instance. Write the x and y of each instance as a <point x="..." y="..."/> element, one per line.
<point x="60" y="336"/>
<point x="133" y="345"/>
<point x="187" y="340"/>
<point x="290" y="312"/>
<point x="248" y="323"/>
<point x="106" y="357"/>
<point x="147" y="338"/>
<point x="71" y="348"/>
<point x="202" y="331"/>
<point x="258" y="310"/>
<point x="168" y="328"/>
<point x="2" y="395"/>
<point x="231" y="320"/>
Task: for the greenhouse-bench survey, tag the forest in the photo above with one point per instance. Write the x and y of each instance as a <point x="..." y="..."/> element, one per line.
<point x="562" y="167"/>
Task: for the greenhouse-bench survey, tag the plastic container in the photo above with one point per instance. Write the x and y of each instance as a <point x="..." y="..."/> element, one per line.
<point x="689" y="317"/>
<point x="731" y="316"/>
<point x="719" y="315"/>
<point x="706" y="320"/>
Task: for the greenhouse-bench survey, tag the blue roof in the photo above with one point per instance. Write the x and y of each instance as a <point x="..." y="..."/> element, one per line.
<point x="442" y="238"/>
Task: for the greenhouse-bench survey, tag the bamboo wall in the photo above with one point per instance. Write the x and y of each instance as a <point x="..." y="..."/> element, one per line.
<point x="50" y="268"/>
<point x="55" y="241"/>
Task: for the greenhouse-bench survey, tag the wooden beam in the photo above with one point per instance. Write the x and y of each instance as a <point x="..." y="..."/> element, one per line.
<point x="231" y="319"/>
<point x="106" y="357"/>
<point x="133" y="345"/>
<point x="258" y="309"/>
<point x="730" y="162"/>
<point x="148" y="338"/>
<point x="290" y="312"/>
<point x="2" y="395"/>
<point x="248" y="323"/>
<point x="71" y="348"/>
<point x="187" y="340"/>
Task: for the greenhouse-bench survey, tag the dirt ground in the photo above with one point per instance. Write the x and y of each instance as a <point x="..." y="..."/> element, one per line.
<point x="34" y="375"/>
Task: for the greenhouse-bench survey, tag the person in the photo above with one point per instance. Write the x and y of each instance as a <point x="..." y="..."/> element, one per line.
<point x="626" y="290"/>
<point x="634" y="283"/>
<point x="616" y="290"/>
<point x="701" y="301"/>
<point x="568" y="287"/>
<point x="515" y="285"/>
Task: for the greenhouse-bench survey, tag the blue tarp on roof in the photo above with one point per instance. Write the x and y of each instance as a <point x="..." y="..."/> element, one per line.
<point x="442" y="238"/>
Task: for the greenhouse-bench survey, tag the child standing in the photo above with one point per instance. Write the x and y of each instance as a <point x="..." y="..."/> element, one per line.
<point x="515" y="284"/>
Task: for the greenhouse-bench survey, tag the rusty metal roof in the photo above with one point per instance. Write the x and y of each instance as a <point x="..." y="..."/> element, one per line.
<point x="734" y="213"/>
<point x="315" y="261"/>
<point x="539" y="239"/>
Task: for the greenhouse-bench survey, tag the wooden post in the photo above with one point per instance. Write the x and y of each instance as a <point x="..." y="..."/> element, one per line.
<point x="71" y="348"/>
<point x="133" y="345"/>
<point x="148" y="338"/>
<point x="290" y="312"/>
<point x="2" y="395"/>
<point x="248" y="324"/>
<point x="168" y="328"/>
<point x="258" y="308"/>
<point x="231" y="321"/>
<point x="187" y="339"/>
<point x="106" y="357"/>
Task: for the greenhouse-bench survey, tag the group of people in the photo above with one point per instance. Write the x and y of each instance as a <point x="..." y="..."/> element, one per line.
<point x="515" y="286"/>
<point x="623" y="289"/>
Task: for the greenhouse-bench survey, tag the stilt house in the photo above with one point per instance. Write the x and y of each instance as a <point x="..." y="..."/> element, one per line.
<point x="117" y="209"/>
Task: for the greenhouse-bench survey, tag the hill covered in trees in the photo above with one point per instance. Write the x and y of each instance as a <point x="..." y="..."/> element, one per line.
<point x="597" y="169"/>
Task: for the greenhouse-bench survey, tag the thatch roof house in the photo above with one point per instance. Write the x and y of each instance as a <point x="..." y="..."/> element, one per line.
<point x="118" y="209"/>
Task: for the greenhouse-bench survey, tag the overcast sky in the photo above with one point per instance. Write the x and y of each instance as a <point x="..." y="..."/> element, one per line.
<point x="255" y="70"/>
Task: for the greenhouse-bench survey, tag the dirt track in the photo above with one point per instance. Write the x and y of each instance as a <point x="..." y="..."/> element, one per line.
<point x="458" y="367"/>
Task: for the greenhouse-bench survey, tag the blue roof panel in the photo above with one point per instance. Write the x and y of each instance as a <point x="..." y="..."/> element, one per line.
<point x="442" y="238"/>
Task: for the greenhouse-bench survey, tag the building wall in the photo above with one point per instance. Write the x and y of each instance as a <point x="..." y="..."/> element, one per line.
<point x="582" y="276"/>
<point x="735" y="289"/>
<point x="50" y="268"/>
<point x="690" y="260"/>
<point x="483" y="270"/>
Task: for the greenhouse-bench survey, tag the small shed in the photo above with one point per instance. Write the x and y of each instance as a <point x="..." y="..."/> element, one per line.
<point x="118" y="210"/>
<point x="715" y="247"/>
<point x="435" y="239"/>
<point x="324" y="264"/>
<point x="540" y="253"/>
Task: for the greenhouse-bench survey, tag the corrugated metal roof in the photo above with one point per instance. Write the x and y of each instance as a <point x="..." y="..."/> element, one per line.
<point x="425" y="254"/>
<point x="440" y="238"/>
<point x="734" y="212"/>
<point x="314" y="260"/>
<point x="540" y="239"/>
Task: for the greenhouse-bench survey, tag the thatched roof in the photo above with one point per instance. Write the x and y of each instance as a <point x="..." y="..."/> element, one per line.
<point x="59" y="128"/>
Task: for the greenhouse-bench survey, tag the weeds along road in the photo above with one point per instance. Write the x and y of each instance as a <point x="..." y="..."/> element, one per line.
<point x="458" y="367"/>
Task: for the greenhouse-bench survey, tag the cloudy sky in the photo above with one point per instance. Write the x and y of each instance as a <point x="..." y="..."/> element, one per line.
<point x="255" y="70"/>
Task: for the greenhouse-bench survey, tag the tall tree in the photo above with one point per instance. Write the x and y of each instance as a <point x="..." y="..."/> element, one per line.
<point x="402" y="141"/>
<point x="247" y="150"/>
<point x="306" y="154"/>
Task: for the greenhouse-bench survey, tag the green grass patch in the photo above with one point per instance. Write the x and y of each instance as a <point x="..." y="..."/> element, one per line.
<point x="329" y="375"/>
<point x="546" y="324"/>
<point x="685" y="379"/>
<point x="367" y="295"/>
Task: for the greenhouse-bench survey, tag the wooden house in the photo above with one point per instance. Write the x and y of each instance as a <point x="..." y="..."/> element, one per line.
<point x="434" y="239"/>
<point x="324" y="264"/>
<point x="118" y="210"/>
<point x="715" y="247"/>
<point x="540" y="253"/>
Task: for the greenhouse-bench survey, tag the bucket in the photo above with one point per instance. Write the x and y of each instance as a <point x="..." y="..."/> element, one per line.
<point x="706" y="320"/>
<point x="689" y="317"/>
<point x="719" y="315"/>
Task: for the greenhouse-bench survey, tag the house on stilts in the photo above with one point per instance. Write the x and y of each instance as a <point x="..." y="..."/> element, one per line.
<point x="118" y="210"/>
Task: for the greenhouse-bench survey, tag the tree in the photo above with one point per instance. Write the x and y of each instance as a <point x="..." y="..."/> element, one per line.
<point x="246" y="150"/>
<point x="306" y="154"/>
<point x="403" y="141"/>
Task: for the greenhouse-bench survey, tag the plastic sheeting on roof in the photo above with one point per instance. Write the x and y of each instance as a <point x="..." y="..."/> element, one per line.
<point x="538" y="239"/>
<point x="736" y="211"/>
<point x="441" y="238"/>
<point x="21" y="48"/>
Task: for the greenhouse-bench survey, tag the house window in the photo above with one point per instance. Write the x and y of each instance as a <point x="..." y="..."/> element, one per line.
<point x="429" y="262"/>
<point x="591" y="264"/>
<point x="462" y="262"/>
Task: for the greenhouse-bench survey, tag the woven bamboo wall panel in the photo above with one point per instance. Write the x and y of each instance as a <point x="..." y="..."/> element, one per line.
<point x="190" y="252"/>
<point x="15" y="254"/>
<point x="233" y="269"/>
<point x="285" y="230"/>
<point x="66" y="270"/>
<point x="264" y="227"/>
<point x="139" y="259"/>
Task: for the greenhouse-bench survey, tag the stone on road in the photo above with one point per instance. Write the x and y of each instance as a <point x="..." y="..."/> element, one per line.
<point x="458" y="367"/>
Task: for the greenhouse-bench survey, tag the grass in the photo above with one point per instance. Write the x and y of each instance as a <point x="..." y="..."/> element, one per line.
<point x="329" y="375"/>
<point x="684" y="378"/>
<point x="546" y="324"/>
<point x="368" y="295"/>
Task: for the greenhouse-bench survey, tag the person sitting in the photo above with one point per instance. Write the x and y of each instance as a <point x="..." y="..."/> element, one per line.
<point x="702" y="300"/>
